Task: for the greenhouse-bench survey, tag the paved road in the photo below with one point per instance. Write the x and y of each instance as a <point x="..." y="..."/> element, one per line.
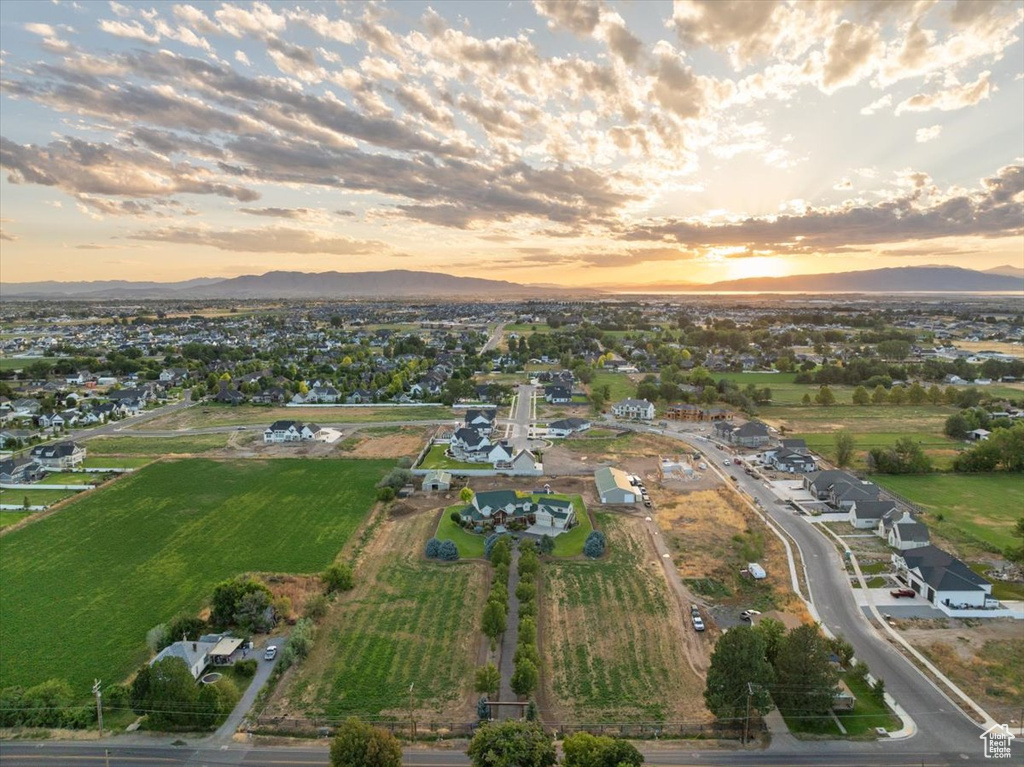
<point x="522" y="416"/>
<point x="495" y="338"/>
<point x="508" y="643"/>
<point x="815" y="754"/>
<point x="942" y="727"/>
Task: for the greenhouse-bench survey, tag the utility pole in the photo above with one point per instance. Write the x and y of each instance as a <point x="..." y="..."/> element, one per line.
<point x="412" y="723"/>
<point x="746" y="723"/>
<point x="99" y="704"/>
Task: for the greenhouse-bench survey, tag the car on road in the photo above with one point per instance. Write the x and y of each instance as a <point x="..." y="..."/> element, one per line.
<point x="749" y="614"/>
<point x="647" y="503"/>
<point x="902" y="593"/>
<point x="271" y="653"/>
<point x="727" y="462"/>
<point x="694" y="610"/>
<point x="698" y="622"/>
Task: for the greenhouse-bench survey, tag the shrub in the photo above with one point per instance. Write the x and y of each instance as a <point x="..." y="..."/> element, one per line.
<point x="156" y="638"/>
<point x="184" y="625"/>
<point x="547" y="544"/>
<point x="448" y="551"/>
<point x="362" y="745"/>
<point x="246" y="668"/>
<point x="433" y="549"/>
<point x="386" y="494"/>
<point x="316" y="607"/>
<point x="454" y="517"/>
<point x="595" y="544"/>
<point x="491" y="541"/>
<point x="483" y="709"/>
<point x="338" y="577"/>
<point x="526" y="592"/>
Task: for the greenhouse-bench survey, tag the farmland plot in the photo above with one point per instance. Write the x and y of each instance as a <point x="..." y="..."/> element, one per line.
<point x="82" y="587"/>
<point x="611" y="637"/>
<point x="409" y="621"/>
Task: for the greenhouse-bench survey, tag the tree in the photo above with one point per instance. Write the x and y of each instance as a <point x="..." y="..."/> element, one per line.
<point x="904" y="457"/>
<point x="432" y="549"/>
<point x="893" y="349"/>
<point x="524" y="678"/>
<point x="338" y="577"/>
<point x="957" y="426"/>
<point x="825" y="397"/>
<point x="466" y="495"/>
<point x="806" y="399"/>
<point x="488" y="679"/>
<point x="860" y="396"/>
<point x="772" y="631"/>
<point x="493" y="623"/>
<point x="512" y="744"/>
<point x="167" y="692"/>
<point x="361" y="745"/>
<point x="897" y="395"/>
<point x="547" y="544"/>
<point x="595" y="544"/>
<point x="805" y="679"/>
<point x="228" y="594"/>
<point x="251" y="612"/>
<point x="880" y="395"/>
<point x="316" y="607"/>
<point x="934" y="395"/>
<point x="738" y="659"/>
<point x="916" y="395"/>
<point x="582" y="749"/>
<point x="844" y="448"/>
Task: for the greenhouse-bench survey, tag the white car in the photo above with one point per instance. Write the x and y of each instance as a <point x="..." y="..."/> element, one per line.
<point x="271" y="653"/>
<point x="748" y="615"/>
<point x="698" y="623"/>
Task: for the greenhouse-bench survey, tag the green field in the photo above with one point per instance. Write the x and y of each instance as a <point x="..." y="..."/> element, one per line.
<point x="758" y="379"/>
<point x="938" y="447"/>
<point x="408" y="633"/>
<point x="198" y="443"/>
<point x="118" y="462"/>
<point x="154" y="544"/>
<point x="71" y="478"/>
<point x="8" y="518"/>
<point x="210" y="414"/>
<point x="612" y="653"/>
<point x="7" y="363"/>
<point x="974" y="508"/>
<point x="35" y="497"/>
<point x="619" y="384"/>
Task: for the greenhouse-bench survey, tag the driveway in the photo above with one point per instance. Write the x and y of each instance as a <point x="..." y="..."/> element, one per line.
<point x="264" y="668"/>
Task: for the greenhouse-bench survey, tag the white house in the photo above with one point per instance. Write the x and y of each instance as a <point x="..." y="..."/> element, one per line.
<point x="61" y="455"/>
<point x="943" y="579"/>
<point x="566" y="426"/>
<point x="865" y="515"/>
<point x="634" y="409"/>
<point x="906" y="533"/>
<point x="283" y="431"/>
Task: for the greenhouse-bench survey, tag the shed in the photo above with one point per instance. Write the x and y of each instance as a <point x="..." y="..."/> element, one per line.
<point x="437" y="480"/>
<point x="613" y="486"/>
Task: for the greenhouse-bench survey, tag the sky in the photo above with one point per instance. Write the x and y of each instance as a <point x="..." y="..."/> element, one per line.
<point x="584" y="143"/>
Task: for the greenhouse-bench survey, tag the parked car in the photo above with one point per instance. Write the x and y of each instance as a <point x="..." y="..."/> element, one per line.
<point x="749" y="614"/>
<point x="727" y="462"/>
<point x="698" y="622"/>
<point x="647" y="503"/>
<point x="271" y="653"/>
<point x="902" y="593"/>
<point x="694" y="610"/>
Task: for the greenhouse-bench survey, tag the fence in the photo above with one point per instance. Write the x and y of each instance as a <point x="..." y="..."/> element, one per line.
<point x="324" y="727"/>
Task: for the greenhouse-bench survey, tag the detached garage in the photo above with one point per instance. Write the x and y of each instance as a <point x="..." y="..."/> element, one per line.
<point x="613" y="486"/>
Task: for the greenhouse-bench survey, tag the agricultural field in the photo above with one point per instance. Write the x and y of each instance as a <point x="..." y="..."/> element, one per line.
<point x="939" y="448"/>
<point x="611" y="631"/>
<point x="620" y="385"/>
<point x="9" y="363"/>
<point x="209" y="414"/>
<point x="859" y="419"/>
<point x="408" y="622"/>
<point x="154" y="544"/>
<point x="713" y="535"/>
<point x="967" y="509"/>
<point x="156" y="446"/>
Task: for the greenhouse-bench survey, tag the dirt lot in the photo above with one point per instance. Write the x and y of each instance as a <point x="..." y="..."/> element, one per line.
<point x="385" y="442"/>
<point x="713" y="535"/>
<point x="982" y="657"/>
<point x="632" y="452"/>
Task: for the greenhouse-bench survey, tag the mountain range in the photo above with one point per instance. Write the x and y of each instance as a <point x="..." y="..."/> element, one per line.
<point x="411" y="284"/>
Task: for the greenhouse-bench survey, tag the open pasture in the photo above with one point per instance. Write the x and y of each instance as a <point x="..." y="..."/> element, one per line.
<point x="155" y="446"/>
<point x="82" y="587"/>
<point x="208" y="415"/>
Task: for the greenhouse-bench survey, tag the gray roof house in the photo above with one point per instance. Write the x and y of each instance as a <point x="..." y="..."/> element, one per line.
<point x="437" y="480"/>
<point x="907" y="533"/>
<point x="865" y="515"/>
<point x="943" y="579"/>
<point x="613" y="486"/>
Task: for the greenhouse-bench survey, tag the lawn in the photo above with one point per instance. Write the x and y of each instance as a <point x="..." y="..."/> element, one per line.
<point x="758" y="379"/>
<point x="155" y="446"/>
<point x="974" y="508"/>
<point x="938" y="447"/>
<point x="9" y="363"/>
<point x="867" y="714"/>
<point x="470" y="545"/>
<point x="8" y="518"/>
<point x="35" y="497"/>
<point x="154" y="544"/>
<point x="409" y="630"/>
<point x="619" y="384"/>
<point x="70" y="478"/>
<point x="611" y="633"/>
<point x="436" y="459"/>
<point x="118" y="462"/>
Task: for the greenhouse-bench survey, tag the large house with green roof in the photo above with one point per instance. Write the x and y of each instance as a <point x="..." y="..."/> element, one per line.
<point x="542" y="514"/>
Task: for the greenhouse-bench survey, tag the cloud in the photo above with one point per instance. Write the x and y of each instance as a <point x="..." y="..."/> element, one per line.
<point x="279" y="212"/>
<point x="7" y="237"/>
<point x="43" y="30"/>
<point x="580" y="17"/>
<point x="875" y="106"/>
<point x="927" y="134"/>
<point x="274" y="239"/>
<point x="950" y="99"/>
<point x="131" y="30"/>
<point x="850" y="55"/>
<point x="994" y="210"/>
